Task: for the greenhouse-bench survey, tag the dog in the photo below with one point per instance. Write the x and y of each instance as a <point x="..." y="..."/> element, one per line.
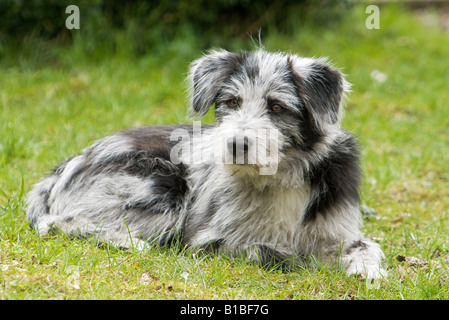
<point x="275" y="180"/>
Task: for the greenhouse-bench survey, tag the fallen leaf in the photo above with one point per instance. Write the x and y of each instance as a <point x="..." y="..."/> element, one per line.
<point x="412" y="261"/>
<point x="147" y="278"/>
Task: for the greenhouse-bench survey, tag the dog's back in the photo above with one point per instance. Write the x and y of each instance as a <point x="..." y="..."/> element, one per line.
<point x="121" y="185"/>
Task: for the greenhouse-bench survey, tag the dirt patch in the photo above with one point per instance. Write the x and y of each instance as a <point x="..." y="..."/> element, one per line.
<point x="411" y="267"/>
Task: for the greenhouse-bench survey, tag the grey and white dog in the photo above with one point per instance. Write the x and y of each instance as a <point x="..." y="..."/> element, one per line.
<point x="277" y="111"/>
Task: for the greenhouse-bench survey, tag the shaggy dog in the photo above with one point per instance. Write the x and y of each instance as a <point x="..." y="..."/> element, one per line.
<point x="275" y="180"/>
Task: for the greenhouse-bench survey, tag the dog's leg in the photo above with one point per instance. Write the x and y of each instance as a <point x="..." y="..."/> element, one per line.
<point x="362" y="256"/>
<point x="266" y="256"/>
<point x="357" y="257"/>
<point x="273" y="258"/>
<point x="335" y="238"/>
<point x="83" y="227"/>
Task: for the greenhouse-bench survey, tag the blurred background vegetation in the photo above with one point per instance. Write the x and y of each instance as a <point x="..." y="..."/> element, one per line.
<point x="33" y="33"/>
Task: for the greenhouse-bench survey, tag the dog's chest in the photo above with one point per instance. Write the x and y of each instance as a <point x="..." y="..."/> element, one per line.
<point x="288" y="206"/>
<point x="271" y="217"/>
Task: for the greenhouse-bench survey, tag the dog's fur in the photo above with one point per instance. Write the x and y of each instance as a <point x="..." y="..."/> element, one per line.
<point x="126" y="188"/>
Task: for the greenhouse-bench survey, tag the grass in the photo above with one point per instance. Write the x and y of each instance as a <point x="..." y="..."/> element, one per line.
<point x="52" y="112"/>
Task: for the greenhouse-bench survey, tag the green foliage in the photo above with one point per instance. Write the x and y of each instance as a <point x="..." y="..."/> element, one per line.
<point x="31" y="30"/>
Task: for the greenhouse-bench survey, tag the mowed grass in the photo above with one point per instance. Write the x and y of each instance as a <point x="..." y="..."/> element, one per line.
<point x="50" y="113"/>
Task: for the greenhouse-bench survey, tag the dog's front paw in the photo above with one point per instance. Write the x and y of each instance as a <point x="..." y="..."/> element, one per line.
<point x="366" y="271"/>
<point x="364" y="258"/>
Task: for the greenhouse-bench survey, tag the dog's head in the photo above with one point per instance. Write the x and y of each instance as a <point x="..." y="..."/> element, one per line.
<point x="258" y="95"/>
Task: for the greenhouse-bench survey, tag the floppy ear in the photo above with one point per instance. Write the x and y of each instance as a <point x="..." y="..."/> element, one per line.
<point x="322" y="88"/>
<point x="206" y="76"/>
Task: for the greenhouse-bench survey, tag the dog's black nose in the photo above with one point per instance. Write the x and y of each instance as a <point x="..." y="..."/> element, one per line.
<point x="238" y="145"/>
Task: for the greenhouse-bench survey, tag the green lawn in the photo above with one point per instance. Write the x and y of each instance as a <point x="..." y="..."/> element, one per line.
<point x="50" y="113"/>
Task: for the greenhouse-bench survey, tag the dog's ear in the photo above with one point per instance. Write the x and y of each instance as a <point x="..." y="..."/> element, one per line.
<point x="321" y="86"/>
<point x="206" y="76"/>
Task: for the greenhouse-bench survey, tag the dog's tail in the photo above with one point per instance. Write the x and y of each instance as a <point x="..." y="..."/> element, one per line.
<point x="38" y="204"/>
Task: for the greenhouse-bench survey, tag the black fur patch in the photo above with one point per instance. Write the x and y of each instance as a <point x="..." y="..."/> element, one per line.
<point x="337" y="179"/>
<point x="212" y="247"/>
<point x="152" y="160"/>
<point x="310" y="132"/>
<point x="322" y="90"/>
<point x="324" y="87"/>
<point x="360" y="245"/>
<point x="211" y="72"/>
<point x="168" y="185"/>
<point x="270" y="258"/>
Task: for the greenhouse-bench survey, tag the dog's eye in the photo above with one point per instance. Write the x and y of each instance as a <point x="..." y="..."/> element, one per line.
<point x="276" y="108"/>
<point x="234" y="102"/>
